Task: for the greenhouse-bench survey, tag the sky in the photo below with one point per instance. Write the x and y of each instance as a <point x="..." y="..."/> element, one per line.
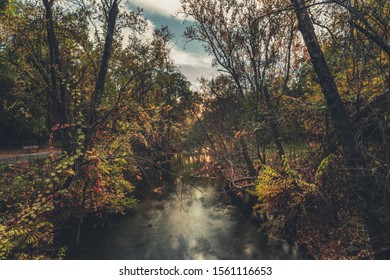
<point x="190" y="57"/>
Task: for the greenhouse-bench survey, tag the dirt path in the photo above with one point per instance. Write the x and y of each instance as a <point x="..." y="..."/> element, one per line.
<point x="10" y="155"/>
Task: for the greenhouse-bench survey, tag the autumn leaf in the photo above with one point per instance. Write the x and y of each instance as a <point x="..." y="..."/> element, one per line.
<point x="69" y="172"/>
<point x="138" y="177"/>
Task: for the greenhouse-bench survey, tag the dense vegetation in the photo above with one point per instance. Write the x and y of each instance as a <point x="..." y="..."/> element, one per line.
<point x="297" y="119"/>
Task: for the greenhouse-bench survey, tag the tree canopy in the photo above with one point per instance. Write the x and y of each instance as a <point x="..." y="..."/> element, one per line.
<point x="297" y="117"/>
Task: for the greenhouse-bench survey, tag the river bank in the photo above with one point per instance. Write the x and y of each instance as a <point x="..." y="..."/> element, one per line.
<point x="195" y="218"/>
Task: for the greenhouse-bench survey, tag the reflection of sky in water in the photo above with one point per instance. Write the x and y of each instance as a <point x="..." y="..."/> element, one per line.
<point x="200" y="226"/>
<point x="188" y="224"/>
<point x="197" y="226"/>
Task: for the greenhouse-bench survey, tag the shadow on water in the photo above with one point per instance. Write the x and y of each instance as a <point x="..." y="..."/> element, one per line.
<point x="195" y="221"/>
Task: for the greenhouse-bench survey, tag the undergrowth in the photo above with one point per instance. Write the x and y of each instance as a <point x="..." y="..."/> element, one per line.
<point x="309" y="206"/>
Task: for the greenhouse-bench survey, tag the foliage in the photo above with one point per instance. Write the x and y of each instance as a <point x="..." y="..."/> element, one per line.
<point x="119" y="105"/>
<point x="108" y="124"/>
<point x="313" y="209"/>
<point x="97" y="181"/>
<point x="35" y="203"/>
<point x="27" y="204"/>
<point x="270" y="92"/>
<point x="284" y="192"/>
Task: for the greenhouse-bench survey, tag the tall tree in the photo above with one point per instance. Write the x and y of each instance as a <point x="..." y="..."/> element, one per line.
<point x="245" y="47"/>
<point x="364" y="187"/>
<point x="336" y="108"/>
<point x="59" y="93"/>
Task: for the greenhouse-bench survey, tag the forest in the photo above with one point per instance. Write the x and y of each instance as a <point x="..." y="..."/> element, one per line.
<point x="295" y="121"/>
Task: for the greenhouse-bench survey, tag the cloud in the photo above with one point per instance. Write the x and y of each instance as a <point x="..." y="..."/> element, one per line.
<point x="192" y="65"/>
<point x="182" y="57"/>
<point x="193" y="74"/>
<point x="166" y="8"/>
<point x="192" y="62"/>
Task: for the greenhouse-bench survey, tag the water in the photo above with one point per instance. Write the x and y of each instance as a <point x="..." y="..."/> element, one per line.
<point x="196" y="221"/>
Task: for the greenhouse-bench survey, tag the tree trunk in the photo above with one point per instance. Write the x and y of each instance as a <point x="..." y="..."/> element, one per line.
<point x="97" y="97"/>
<point x="359" y="21"/>
<point x="338" y="113"/>
<point x="101" y="80"/>
<point x="58" y="88"/>
<point x="273" y="123"/>
<point x="365" y="188"/>
<point x="247" y="158"/>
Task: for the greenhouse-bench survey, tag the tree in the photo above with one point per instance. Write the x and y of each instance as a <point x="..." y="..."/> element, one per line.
<point x="248" y="48"/>
<point x="365" y="189"/>
<point x="371" y="19"/>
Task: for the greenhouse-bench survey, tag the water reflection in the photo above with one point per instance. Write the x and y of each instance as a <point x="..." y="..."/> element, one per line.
<point x="189" y="224"/>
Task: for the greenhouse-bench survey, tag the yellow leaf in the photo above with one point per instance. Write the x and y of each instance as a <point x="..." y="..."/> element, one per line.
<point x="69" y="172"/>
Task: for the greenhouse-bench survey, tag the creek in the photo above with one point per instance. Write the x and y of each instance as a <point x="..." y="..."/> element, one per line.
<point x="196" y="219"/>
